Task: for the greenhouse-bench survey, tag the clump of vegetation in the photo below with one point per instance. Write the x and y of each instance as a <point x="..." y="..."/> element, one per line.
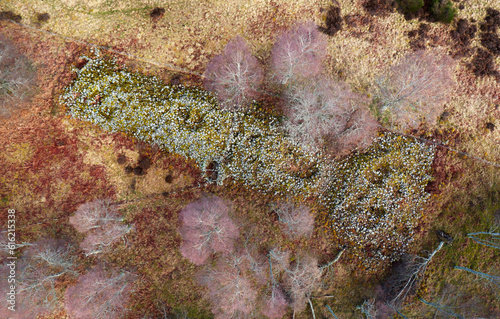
<point x="17" y="78"/>
<point x="443" y="10"/>
<point x="373" y="193"/>
<point x="410" y="6"/>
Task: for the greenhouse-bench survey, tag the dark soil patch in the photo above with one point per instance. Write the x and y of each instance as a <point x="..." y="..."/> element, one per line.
<point x="175" y="80"/>
<point x="139" y="171"/>
<point x="491" y="21"/>
<point x="9" y="15"/>
<point x="490" y="126"/>
<point x="42" y="17"/>
<point x="212" y="171"/>
<point x="333" y="21"/>
<point x="129" y="169"/>
<point x="418" y="37"/>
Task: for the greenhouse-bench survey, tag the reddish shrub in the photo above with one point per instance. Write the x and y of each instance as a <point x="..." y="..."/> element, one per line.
<point x="234" y="75"/>
<point x="206" y="228"/>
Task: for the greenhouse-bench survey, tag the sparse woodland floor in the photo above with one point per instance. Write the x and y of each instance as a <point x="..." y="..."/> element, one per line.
<point x="50" y="163"/>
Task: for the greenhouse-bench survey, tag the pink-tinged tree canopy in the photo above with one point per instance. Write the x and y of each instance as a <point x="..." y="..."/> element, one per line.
<point x="99" y="294"/>
<point x="301" y="279"/>
<point x="298" y="53"/>
<point x="275" y="303"/>
<point x="40" y="271"/>
<point x="229" y="288"/>
<point x="321" y="112"/>
<point x="206" y="228"/>
<point x="415" y="89"/>
<point x="235" y="75"/>
<point x="297" y="220"/>
<point x="102" y="224"/>
<point x="93" y="214"/>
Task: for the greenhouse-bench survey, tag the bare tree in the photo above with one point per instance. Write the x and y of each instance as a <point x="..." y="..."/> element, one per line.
<point x="319" y="110"/>
<point x="40" y="270"/>
<point x="301" y="279"/>
<point x="275" y="303"/>
<point x="279" y="259"/>
<point x="368" y="309"/>
<point x="489" y="239"/>
<point x="100" y="238"/>
<point x="229" y="288"/>
<point x="492" y="279"/>
<point x="408" y="277"/>
<point x="415" y="89"/>
<point x="206" y="228"/>
<point x="102" y="224"/>
<point x="297" y="219"/>
<point x="94" y="214"/>
<point x="298" y="53"/>
<point x="234" y="75"/>
<point x="442" y="309"/>
<point x="17" y="77"/>
<point x="99" y="294"/>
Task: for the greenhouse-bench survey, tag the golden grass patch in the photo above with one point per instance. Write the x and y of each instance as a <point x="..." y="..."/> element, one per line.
<point x="19" y="153"/>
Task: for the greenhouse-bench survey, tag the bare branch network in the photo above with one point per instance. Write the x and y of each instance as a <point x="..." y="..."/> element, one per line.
<point x="415" y="89"/>
<point x="99" y="294"/>
<point x="40" y="269"/>
<point x="206" y="228"/>
<point x="102" y="224"/>
<point x="235" y="75"/>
